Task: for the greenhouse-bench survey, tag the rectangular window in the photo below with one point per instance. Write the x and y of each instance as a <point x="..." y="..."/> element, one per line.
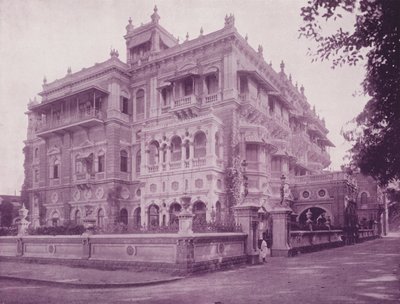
<point x="124" y="163"/>
<point x="101" y="163"/>
<point x="55" y="171"/>
<point x="251" y="152"/>
<point x="124" y="105"/>
<point x="36" y="175"/>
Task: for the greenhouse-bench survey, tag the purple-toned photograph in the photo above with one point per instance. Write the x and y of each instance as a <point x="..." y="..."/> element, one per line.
<point x="200" y="151"/>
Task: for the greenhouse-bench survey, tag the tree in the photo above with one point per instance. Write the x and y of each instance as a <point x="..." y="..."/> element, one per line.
<point x="376" y="33"/>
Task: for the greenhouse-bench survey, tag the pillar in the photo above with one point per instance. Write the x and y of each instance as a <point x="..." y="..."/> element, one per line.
<point x="246" y="216"/>
<point x="280" y="232"/>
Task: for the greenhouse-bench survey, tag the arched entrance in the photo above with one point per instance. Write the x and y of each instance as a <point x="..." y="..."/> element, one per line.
<point x="199" y="211"/>
<point x="174" y="211"/>
<point x="123" y="216"/>
<point x="154" y="216"/>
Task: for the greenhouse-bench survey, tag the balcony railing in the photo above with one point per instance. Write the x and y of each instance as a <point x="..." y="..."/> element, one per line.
<point x="185" y="101"/>
<point x="199" y="162"/>
<point x="211" y="98"/>
<point x="153" y="168"/>
<point x="175" y="165"/>
<point x="60" y="121"/>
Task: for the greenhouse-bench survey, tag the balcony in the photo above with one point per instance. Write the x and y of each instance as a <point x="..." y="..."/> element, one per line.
<point x="186" y="107"/>
<point x="62" y="124"/>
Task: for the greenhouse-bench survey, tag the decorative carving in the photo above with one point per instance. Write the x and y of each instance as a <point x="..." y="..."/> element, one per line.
<point x="125" y="194"/>
<point x="153" y="188"/>
<point x="54" y="197"/>
<point x="76" y="195"/>
<point x="175" y="186"/>
<point x="198" y="183"/>
<point x="87" y="194"/>
<point x="99" y="193"/>
<point x="131" y="250"/>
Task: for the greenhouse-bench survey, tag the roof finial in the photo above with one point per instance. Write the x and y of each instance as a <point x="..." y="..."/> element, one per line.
<point x="313" y="109"/>
<point x="270" y="63"/>
<point x="69" y="70"/>
<point x="296" y="85"/>
<point x="130" y="26"/>
<point x="187" y="36"/>
<point x="282" y="65"/>
<point x="260" y="50"/>
<point x="114" y="53"/>
<point x="44" y="80"/>
<point x="290" y="78"/>
<point x="229" y="20"/>
<point x="155" y="17"/>
<point x="201" y="31"/>
<point x="302" y="91"/>
<point x="246" y="37"/>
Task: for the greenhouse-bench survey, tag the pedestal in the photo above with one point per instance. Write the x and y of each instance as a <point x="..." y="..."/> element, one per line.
<point x="185" y="223"/>
<point x="88" y="224"/>
<point x="280" y="232"/>
<point x="246" y="216"/>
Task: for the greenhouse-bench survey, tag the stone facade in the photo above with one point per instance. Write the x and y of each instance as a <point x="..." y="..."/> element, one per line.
<point x="125" y="141"/>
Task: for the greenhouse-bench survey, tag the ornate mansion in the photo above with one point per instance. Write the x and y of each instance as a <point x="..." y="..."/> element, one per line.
<point x="125" y="141"/>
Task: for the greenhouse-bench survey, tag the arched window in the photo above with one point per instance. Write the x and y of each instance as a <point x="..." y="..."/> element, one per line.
<point x="56" y="168"/>
<point x="199" y="210"/>
<point x="36" y="153"/>
<point x="55" y="219"/>
<point x="100" y="218"/>
<point x="364" y="198"/>
<point x="137" y="218"/>
<point x="154" y="216"/>
<point x="138" y="161"/>
<point x="77" y="217"/>
<point x="124" y="161"/>
<point x="123" y="216"/>
<point x="153" y="153"/>
<point x="140" y="102"/>
<point x="79" y="168"/>
<point x="200" y="143"/>
<point x="174" y="211"/>
<point x="176" y="149"/>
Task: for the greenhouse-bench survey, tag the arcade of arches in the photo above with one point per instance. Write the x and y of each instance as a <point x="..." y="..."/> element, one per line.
<point x="157" y="216"/>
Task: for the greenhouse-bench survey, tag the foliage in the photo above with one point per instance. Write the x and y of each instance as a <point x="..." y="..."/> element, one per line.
<point x="121" y="228"/>
<point x="234" y="178"/>
<point x="11" y="231"/>
<point x="58" y="230"/>
<point x="376" y="32"/>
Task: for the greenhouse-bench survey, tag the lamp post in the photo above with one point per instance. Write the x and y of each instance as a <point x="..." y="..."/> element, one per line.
<point x="283" y="180"/>
<point x="245" y="178"/>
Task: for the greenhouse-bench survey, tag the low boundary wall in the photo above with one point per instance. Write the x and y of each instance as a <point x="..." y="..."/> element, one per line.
<point x="305" y="241"/>
<point x="180" y="254"/>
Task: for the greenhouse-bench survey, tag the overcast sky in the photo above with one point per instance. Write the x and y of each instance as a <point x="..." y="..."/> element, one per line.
<point x="45" y="37"/>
